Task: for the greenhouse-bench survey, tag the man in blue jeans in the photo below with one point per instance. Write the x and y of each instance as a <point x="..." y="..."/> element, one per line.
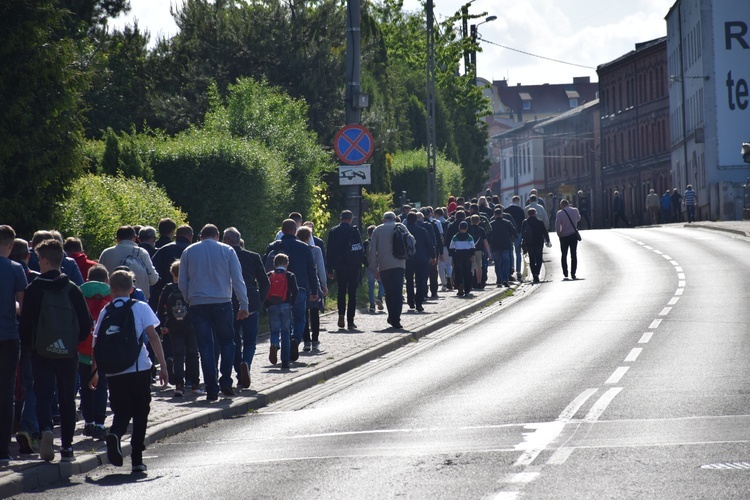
<point x="12" y="286"/>
<point x="302" y="265"/>
<point x="209" y="271"/>
<point x="388" y="268"/>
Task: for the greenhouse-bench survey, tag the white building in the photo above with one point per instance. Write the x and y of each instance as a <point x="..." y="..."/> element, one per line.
<point x="708" y="49"/>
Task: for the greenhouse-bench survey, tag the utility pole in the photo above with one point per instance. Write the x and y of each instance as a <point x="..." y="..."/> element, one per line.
<point x="353" y="194"/>
<point x="431" y="136"/>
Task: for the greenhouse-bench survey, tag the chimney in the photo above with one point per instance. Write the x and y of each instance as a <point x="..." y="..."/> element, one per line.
<point x="581" y="79"/>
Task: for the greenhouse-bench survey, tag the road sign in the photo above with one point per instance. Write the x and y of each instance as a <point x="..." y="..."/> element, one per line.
<point x="353" y="144"/>
<point x="354" y="175"/>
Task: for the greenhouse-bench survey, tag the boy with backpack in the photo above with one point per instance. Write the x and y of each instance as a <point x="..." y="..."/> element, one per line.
<point x="120" y="353"/>
<point x="54" y="320"/>
<point x="281" y="295"/>
<point x="462" y="250"/>
<point x="93" y="402"/>
<point x="173" y="308"/>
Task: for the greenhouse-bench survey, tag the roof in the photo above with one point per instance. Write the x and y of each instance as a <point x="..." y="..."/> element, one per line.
<point x="546" y="98"/>
<point x="639" y="47"/>
<point x="568" y="114"/>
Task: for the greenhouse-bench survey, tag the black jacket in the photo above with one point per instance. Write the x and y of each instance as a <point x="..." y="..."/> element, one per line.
<point x="300" y="262"/>
<point x="425" y="247"/>
<point x="32" y="304"/>
<point x="162" y="260"/>
<point x="534" y="232"/>
<point x="503" y="235"/>
<point x="256" y="280"/>
<point x="340" y="240"/>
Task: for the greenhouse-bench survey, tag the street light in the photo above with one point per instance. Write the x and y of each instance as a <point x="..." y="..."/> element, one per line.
<point x="474" y="44"/>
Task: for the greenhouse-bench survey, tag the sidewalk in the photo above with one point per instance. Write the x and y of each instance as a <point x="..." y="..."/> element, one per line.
<point x="341" y="350"/>
<point x="739" y="227"/>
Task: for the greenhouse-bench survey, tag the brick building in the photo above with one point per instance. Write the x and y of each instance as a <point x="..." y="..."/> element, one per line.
<point x="635" y="125"/>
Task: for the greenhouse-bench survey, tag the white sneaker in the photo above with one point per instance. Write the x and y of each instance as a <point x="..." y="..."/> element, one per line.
<point x="307" y="347"/>
<point x="316" y="345"/>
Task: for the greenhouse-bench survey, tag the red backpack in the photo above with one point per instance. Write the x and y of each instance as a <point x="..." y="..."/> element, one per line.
<point x="279" y="290"/>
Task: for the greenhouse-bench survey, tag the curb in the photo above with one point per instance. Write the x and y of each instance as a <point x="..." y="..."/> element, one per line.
<point x="716" y="228"/>
<point x="41" y="475"/>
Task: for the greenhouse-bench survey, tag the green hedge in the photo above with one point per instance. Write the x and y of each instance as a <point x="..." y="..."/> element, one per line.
<point x="97" y="205"/>
<point x="409" y="173"/>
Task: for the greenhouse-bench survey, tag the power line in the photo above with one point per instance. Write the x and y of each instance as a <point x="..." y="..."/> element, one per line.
<point x="536" y="55"/>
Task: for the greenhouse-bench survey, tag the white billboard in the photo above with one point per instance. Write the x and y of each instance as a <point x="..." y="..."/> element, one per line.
<point x="731" y="27"/>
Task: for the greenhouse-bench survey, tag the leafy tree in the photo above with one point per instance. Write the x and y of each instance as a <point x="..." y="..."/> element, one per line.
<point x="40" y="116"/>
<point x="410" y="175"/>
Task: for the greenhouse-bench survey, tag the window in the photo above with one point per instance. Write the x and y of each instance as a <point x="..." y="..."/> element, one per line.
<point x="573" y="103"/>
<point x="526" y="105"/>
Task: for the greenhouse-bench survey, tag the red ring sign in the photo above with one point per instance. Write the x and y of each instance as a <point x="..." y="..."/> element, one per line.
<point x="353" y="144"/>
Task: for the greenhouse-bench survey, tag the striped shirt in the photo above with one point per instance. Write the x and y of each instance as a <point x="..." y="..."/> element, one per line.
<point x="689" y="197"/>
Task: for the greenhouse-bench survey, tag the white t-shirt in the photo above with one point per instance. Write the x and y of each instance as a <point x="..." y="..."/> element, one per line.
<point x="144" y="317"/>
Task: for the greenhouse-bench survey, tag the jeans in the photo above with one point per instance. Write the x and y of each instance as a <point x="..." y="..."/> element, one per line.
<point x="214" y="327"/>
<point x="299" y="315"/>
<point x="690" y="209"/>
<point x="371" y="288"/>
<point x="665" y="215"/>
<point x="348" y="280"/>
<point x="28" y="414"/>
<point x="280" y="324"/>
<point x="10" y="351"/>
<point x="536" y="253"/>
<point x="445" y="269"/>
<point x="93" y="403"/>
<point x="393" y="282"/>
<point x="519" y="254"/>
<point x="571" y="242"/>
<point x="48" y="375"/>
<point x="502" y="264"/>
<point x="416" y="270"/>
<point x="245" y="339"/>
<point x="130" y="398"/>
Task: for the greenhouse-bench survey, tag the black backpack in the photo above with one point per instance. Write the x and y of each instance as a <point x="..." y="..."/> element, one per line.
<point x="274" y="249"/>
<point x="117" y="344"/>
<point x="355" y="251"/>
<point x="404" y="244"/>
<point x="56" y="329"/>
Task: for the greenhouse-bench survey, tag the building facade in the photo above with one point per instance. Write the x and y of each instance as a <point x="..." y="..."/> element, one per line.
<point x="708" y="45"/>
<point x="635" y="124"/>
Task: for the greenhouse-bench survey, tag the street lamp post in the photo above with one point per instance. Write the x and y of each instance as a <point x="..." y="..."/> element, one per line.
<point x="474" y="32"/>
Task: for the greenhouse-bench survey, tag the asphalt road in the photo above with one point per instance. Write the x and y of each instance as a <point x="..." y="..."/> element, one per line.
<point x="631" y="382"/>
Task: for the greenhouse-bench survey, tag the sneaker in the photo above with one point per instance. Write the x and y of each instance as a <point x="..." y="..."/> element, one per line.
<point x="341" y="321"/>
<point x="99" y="432"/>
<point x="212" y="397"/>
<point x="272" y="354"/>
<point x="139" y="469"/>
<point x="46" y="452"/>
<point x="379" y="303"/>
<point x="66" y="454"/>
<point x="294" y="351"/>
<point x="88" y="429"/>
<point x="25" y="446"/>
<point x="420" y="309"/>
<point x="505" y="284"/>
<point x="372" y="309"/>
<point x="244" y="375"/>
<point x="114" y="453"/>
<point x="5" y="461"/>
<point x="308" y="347"/>
<point x="285" y="365"/>
<point x="197" y="392"/>
<point x="352" y="326"/>
<point x="316" y="345"/>
<point x="227" y="391"/>
<point x="178" y="391"/>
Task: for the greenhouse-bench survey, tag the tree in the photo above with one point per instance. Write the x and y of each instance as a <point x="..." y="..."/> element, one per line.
<point x="40" y="116"/>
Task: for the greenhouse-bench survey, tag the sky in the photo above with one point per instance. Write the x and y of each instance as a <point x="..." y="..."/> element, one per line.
<point x="584" y="33"/>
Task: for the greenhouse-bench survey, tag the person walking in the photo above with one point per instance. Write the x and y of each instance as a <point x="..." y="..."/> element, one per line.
<point x="344" y="257"/>
<point x="566" y="226"/>
<point x="502" y="239"/>
<point x="652" y="206"/>
<point x="666" y="207"/>
<point x="584" y="207"/>
<point x="676" y="206"/>
<point x="618" y="210"/>
<point x="535" y="236"/>
<point x="462" y="250"/>
<point x="387" y="267"/>
<point x="690" y="200"/>
<point x="127" y="252"/>
<point x="209" y="272"/>
<point x="418" y="265"/>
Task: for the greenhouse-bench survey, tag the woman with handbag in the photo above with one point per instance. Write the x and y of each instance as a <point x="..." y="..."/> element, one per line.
<point x="566" y="225"/>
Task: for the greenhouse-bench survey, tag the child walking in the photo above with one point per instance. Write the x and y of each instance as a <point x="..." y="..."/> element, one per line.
<point x="281" y="295"/>
<point x="129" y="389"/>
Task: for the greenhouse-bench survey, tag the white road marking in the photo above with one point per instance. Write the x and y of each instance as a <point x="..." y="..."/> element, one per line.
<point x="523" y="477"/>
<point x="647" y="247"/>
<point x="666" y="256"/>
<point x="665" y="311"/>
<point x="507" y="495"/>
<point x="569" y="412"/>
<point x="679" y="291"/>
<point x="646" y="337"/>
<point x="681" y="284"/>
<point x="654" y="324"/>
<point x="535" y="442"/>
<point x="680" y="276"/>
<point x="560" y="456"/>
<point x="674" y="262"/>
<point x="596" y="411"/>
<point x="678" y="269"/>
<point x="658" y="252"/>
<point x="673" y="301"/>
<point x="634" y="353"/>
<point x="617" y="375"/>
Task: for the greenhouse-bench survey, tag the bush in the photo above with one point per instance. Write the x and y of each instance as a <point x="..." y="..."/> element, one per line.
<point x="98" y="204"/>
<point x="376" y="204"/>
<point x="225" y="181"/>
<point x="410" y="175"/>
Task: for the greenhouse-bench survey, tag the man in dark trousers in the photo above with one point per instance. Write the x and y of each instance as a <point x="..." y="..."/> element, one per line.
<point x="534" y="236"/>
<point x="418" y="265"/>
<point x="344" y="257"/>
<point x="246" y="330"/>
<point x="618" y="210"/>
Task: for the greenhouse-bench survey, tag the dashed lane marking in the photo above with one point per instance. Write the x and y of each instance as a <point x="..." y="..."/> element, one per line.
<point x="633" y="355"/>
<point x="646" y="337"/>
<point x="617" y="375"/>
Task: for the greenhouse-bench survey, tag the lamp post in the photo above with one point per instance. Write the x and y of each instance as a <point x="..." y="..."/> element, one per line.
<point x="474" y="32"/>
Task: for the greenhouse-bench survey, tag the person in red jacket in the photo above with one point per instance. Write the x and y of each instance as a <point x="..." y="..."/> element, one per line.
<point x="74" y="249"/>
<point x="93" y="402"/>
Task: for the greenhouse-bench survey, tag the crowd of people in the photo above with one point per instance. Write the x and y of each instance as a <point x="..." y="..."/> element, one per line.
<point x="177" y="311"/>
